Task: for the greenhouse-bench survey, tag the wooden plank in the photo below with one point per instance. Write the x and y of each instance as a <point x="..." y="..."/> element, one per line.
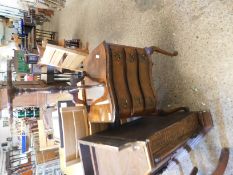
<point x="69" y="136"/>
<point x="42" y="136"/>
<point x="80" y="119"/>
<point x="67" y="103"/>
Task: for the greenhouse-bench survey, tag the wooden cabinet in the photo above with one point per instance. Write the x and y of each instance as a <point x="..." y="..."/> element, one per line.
<point x="142" y="146"/>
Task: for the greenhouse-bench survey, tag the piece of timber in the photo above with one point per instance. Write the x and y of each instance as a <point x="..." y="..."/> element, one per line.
<point x="142" y="146"/>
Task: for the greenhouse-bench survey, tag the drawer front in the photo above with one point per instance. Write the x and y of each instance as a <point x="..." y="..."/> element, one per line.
<point x="133" y="81"/>
<point x="145" y="81"/>
<point x="167" y="140"/>
<point x="117" y="55"/>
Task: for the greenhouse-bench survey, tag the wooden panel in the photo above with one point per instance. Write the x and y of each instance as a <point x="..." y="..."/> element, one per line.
<point x="133" y="81"/>
<point x="129" y="161"/>
<point x="145" y="81"/>
<point x="95" y="64"/>
<point x="98" y="127"/>
<point x="69" y="136"/>
<point x="119" y="81"/>
<point x="80" y="120"/>
<point x="74" y="123"/>
<point x="100" y="113"/>
<point x="67" y="103"/>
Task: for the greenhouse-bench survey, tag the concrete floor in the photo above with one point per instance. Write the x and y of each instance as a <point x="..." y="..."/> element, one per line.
<point x="199" y="77"/>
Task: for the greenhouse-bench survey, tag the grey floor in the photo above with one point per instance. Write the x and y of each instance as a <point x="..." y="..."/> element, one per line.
<point x="199" y="77"/>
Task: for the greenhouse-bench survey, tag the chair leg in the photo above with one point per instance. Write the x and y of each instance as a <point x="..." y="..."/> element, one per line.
<point x="222" y="163"/>
<point x="194" y="171"/>
<point x="150" y="50"/>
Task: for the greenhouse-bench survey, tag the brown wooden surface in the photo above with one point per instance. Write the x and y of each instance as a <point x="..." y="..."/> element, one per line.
<point x="133" y="81"/>
<point x="161" y="136"/>
<point x="95" y="63"/>
<point x="145" y="81"/>
<point x="117" y="57"/>
<point x="142" y="129"/>
<point x="128" y="161"/>
<point x="29" y="172"/>
<point x="129" y="90"/>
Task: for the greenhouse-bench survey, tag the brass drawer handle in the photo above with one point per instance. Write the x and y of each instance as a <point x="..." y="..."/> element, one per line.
<point x="118" y="57"/>
<point x="124" y="103"/>
<point x="142" y="57"/>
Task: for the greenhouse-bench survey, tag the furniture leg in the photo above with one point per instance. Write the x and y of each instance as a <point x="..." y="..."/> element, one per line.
<point x="194" y="171"/>
<point x="164" y="112"/>
<point x="150" y="50"/>
<point x="222" y="163"/>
